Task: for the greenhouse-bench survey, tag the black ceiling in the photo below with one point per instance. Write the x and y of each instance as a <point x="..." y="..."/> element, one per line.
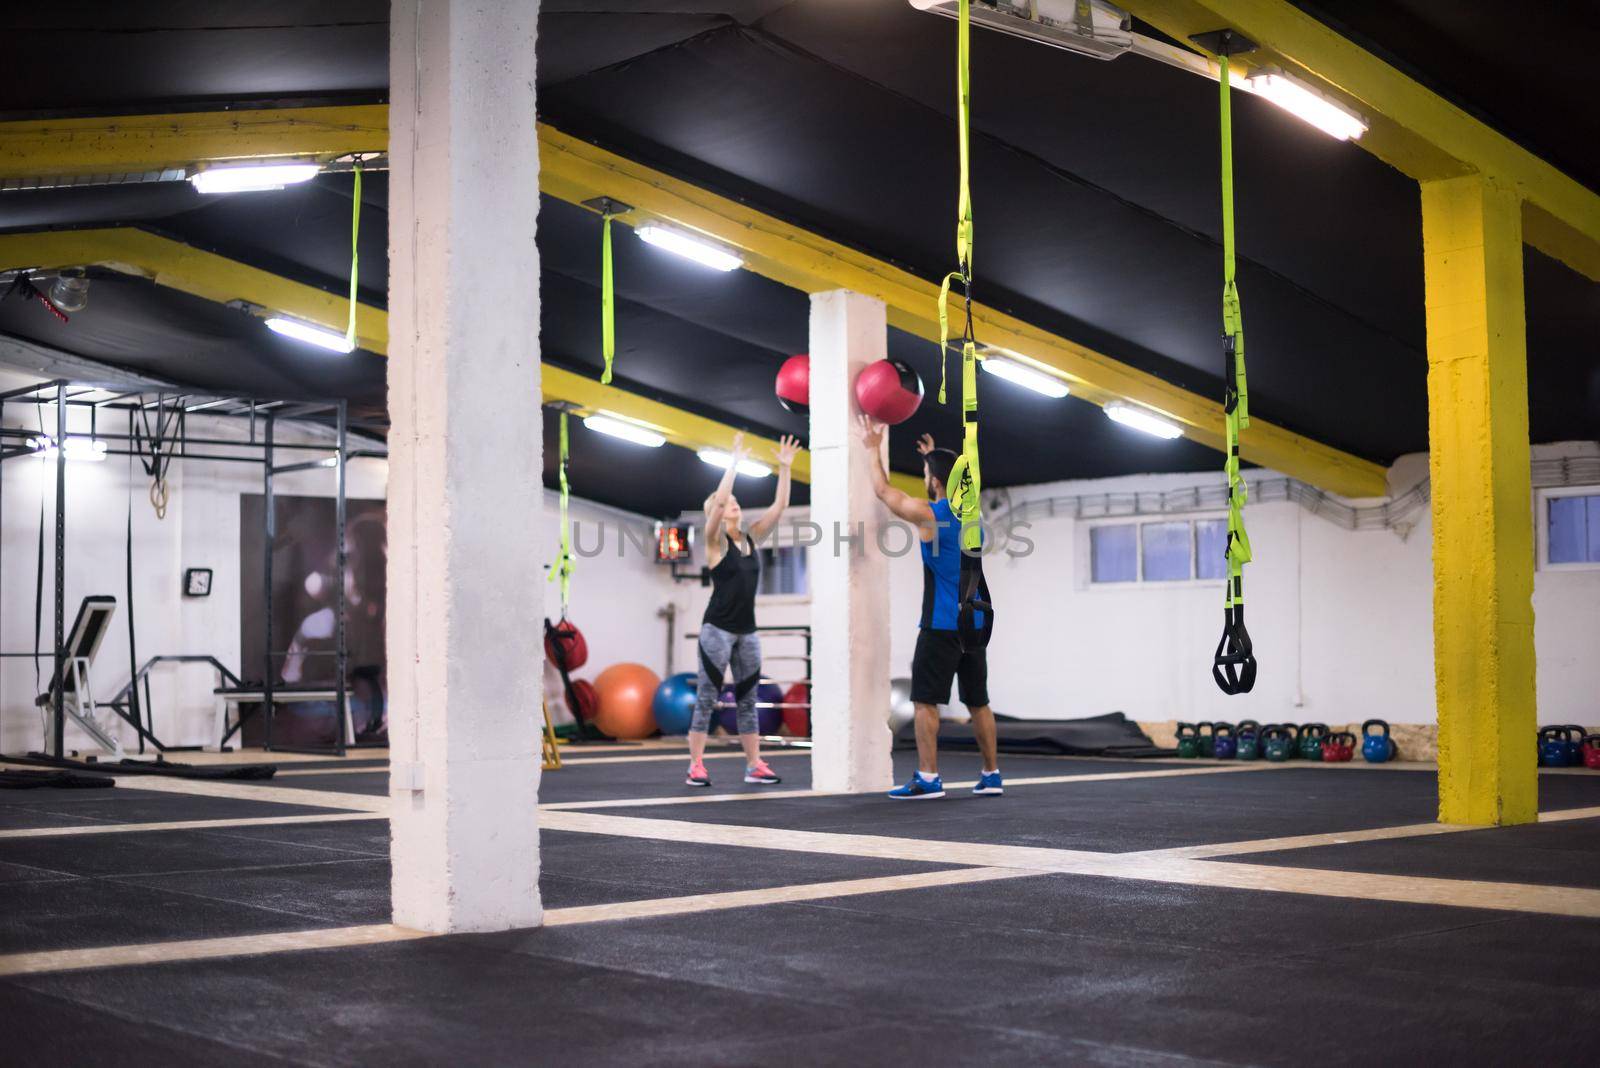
<point x="1095" y="195"/>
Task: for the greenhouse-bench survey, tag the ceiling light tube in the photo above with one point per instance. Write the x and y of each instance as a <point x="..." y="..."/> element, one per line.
<point x="1306" y="104"/>
<point x="251" y="177"/>
<point x="79" y="450"/>
<point x="1140" y="419"/>
<point x="618" y="427"/>
<point x="311" y="334"/>
<point x="1025" y="376"/>
<point x="706" y="253"/>
<point x="718" y="458"/>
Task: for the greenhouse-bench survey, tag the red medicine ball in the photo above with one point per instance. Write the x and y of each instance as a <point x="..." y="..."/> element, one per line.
<point x="574" y="650"/>
<point x="588" y="699"/>
<point x="889" y="391"/>
<point x="794" y="384"/>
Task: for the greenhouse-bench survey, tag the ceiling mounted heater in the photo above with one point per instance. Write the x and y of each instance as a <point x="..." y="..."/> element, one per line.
<point x="1088" y="27"/>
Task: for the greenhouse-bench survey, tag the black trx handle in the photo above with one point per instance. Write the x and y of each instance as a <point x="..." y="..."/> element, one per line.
<point x="974" y="599"/>
<point x="1234" y="664"/>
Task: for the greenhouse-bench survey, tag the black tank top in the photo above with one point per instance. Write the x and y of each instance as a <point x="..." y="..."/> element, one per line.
<point x="733" y="589"/>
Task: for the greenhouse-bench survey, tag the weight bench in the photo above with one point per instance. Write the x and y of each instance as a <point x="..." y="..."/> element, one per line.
<point x="237" y="695"/>
<point x="71" y="678"/>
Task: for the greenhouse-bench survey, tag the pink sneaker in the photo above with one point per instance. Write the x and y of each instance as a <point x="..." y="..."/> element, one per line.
<point x="760" y="774"/>
<point x="698" y="775"/>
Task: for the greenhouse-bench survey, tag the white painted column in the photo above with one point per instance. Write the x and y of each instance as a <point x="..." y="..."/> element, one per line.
<point x="465" y="585"/>
<point x="849" y="579"/>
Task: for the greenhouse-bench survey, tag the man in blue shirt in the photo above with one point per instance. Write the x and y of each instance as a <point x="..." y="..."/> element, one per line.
<point x="941" y="655"/>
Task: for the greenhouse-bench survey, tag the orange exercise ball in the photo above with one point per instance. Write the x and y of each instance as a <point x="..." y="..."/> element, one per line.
<point x="626" y="691"/>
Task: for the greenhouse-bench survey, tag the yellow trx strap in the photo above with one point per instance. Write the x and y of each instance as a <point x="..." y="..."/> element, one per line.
<point x="355" y="254"/>
<point x="963" y="271"/>
<point x="1234" y="664"/>
<point x="563" y="565"/>
<point x="608" y="303"/>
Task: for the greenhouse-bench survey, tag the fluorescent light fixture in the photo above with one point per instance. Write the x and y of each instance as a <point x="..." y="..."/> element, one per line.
<point x="1139" y="419"/>
<point x="251" y="177"/>
<point x="79" y="450"/>
<point x="698" y="249"/>
<point x="1306" y="104"/>
<point x="718" y="458"/>
<point x="1025" y="376"/>
<point x="321" y="336"/>
<point x="618" y="427"/>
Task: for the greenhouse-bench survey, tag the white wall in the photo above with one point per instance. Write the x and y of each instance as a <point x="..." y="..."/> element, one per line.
<point x="1342" y="620"/>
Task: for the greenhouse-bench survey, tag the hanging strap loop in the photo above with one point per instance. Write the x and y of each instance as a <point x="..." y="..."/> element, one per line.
<point x="355" y="252"/>
<point x="564" y="563"/>
<point x="608" y="302"/>
<point x="1233" y="665"/>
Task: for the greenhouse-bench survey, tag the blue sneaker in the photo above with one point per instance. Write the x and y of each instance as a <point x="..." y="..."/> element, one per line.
<point x="916" y="789"/>
<point x="989" y="784"/>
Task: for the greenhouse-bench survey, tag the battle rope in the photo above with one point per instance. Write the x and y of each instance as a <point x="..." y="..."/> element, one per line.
<point x="1234" y="664"/>
<point x="966" y="480"/>
<point x="563" y="564"/>
<point x="355" y="254"/>
<point x="608" y="306"/>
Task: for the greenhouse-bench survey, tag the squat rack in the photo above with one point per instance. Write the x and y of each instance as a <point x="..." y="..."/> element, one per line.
<point x="155" y="449"/>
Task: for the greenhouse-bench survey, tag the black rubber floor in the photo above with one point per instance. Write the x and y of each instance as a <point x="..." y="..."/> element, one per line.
<point x="1130" y="814"/>
<point x="23" y="809"/>
<point x="93" y="890"/>
<point x="1045" y="969"/>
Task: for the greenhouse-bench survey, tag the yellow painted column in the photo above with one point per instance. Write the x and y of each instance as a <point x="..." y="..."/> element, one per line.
<point x="1482" y="502"/>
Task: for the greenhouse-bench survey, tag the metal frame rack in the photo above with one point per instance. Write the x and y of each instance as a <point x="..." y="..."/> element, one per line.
<point x="170" y="441"/>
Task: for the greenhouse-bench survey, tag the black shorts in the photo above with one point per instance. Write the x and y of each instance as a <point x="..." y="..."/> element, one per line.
<point x="938" y="660"/>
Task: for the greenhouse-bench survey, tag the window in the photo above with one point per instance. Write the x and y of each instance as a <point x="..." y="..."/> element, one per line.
<point x="1570" y="528"/>
<point x="1181" y="550"/>
<point x="1112" y="553"/>
<point x="783" y="572"/>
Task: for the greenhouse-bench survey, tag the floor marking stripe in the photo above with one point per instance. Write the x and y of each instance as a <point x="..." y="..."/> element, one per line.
<point x="1515" y="897"/>
<point x="1376" y="834"/>
<point x="188" y="825"/>
<point x="251" y="791"/>
<point x="967" y="784"/>
<point x="62" y="960"/>
<point x="777" y="895"/>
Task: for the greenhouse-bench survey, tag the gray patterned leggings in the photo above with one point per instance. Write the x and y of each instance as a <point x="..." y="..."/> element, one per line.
<point x="719" y="650"/>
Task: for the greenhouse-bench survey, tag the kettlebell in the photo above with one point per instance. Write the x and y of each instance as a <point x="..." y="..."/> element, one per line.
<point x="1206" y="738"/>
<point x="1294" y="740"/>
<point x="1338" y="747"/>
<point x="1277" y="743"/>
<point x="1376" y="748"/>
<point x="1575" y="736"/>
<point x="1249" y="747"/>
<point x="1591" y="751"/>
<point x="1188" y="741"/>
<point x="1311" y="736"/>
<point x="1226" y="743"/>
<point x="1552" y="747"/>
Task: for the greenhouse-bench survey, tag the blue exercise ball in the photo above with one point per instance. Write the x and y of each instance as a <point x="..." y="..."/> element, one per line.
<point x="674" y="703"/>
<point x="769" y="719"/>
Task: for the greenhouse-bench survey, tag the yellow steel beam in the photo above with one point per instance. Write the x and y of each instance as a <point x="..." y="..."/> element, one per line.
<point x="1411" y="128"/>
<point x="680" y="427"/>
<point x="213" y="277"/>
<point x="575" y="171"/>
<point x="134" y="144"/>
<point x="1482" y="509"/>
<point x="194" y="271"/>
